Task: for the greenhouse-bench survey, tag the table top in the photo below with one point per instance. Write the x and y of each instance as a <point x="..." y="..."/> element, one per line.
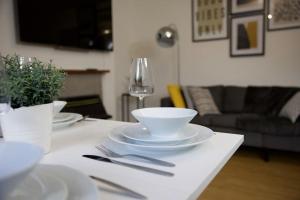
<point x="194" y="170"/>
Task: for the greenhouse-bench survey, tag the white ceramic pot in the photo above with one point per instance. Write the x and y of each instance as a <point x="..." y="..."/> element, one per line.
<point x="29" y="124"/>
<point x="164" y="121"/>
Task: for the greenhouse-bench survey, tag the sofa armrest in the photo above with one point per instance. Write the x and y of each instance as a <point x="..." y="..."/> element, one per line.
<point x="166" y="102"/>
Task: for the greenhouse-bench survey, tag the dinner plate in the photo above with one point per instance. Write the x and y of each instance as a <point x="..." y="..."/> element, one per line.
<point x="62" y="117"/>
<point x="52" y="182"/>
<point x="140" y="133"/>
<point x="75" y="117"/>
<point x="204" y="134"/>
<point x="40" y="186"/>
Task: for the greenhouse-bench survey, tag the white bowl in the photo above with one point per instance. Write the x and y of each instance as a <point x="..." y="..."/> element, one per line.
<point x="17" y="160"/>
<point x="164" y="121"/>
<point x="58" y="106"/>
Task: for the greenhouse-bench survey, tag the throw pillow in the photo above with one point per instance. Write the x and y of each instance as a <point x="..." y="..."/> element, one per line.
<point x="187" y="97"/>
<point x="203" y="101"/>
<point x="291" y="109"/>
<point x="176" y="96"/>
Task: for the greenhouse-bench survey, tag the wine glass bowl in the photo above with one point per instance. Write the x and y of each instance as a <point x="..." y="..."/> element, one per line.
<point x="140" y="84"/>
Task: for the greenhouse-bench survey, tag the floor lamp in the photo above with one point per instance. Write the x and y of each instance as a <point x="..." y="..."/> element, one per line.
<point x="167" y="37"/>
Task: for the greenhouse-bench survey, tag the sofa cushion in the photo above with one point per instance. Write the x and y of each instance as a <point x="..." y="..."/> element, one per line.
<point x="233" y="100"/>
<point x="291" y="109"/>
<point x="187" y="97"/>
<point x="224" y="120"/>
<point x="203" y="101"/>
<point x="257" y="99"/>
<point x="201" y="120"/>
<point x="269" y="125"/>
<point x="267" y="100"/>
<point x="280" y="96"/>
<point x="176" y="96"/>
<point x="217" y="94"/>
<point x="229" y="120"/>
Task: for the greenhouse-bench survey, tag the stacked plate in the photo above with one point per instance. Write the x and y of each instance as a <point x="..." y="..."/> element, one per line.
<point x="64" y="119"/>
<point x="139" y="137"/>
<point x="52" y="182"/>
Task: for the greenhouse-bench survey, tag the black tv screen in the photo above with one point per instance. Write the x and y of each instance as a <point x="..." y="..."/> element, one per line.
<point x="71" y="23"/>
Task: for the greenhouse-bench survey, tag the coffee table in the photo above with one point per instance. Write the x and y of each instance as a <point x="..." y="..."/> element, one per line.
<point x="195" y="167"/>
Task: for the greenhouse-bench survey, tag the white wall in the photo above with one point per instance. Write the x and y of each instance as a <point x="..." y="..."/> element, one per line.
<point x="202" y="63"/>
<point x="135" y="23"/>
<point x="67" y="59"/>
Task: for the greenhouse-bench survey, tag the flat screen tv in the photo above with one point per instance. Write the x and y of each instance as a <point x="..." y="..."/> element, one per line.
<point x="83" y="24"/>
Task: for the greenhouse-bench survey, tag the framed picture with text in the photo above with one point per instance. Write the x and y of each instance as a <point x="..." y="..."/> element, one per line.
<point x="241" y="6"/>
<point x="283" y="14"/>
<point x="209" y="20"/>
<point x="247" y="35"/>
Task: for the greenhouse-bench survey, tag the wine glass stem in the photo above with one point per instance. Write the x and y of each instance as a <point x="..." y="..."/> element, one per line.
<point x="140" y="102"/>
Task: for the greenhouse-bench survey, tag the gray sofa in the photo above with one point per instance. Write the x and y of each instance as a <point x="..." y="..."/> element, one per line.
<point x="253" y="112"/>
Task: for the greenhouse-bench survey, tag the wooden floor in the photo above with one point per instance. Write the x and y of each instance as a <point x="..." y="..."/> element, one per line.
<point x="247" y="177"/>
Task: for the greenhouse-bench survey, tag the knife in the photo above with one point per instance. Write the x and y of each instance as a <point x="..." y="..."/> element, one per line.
<point x="138" y="167"/>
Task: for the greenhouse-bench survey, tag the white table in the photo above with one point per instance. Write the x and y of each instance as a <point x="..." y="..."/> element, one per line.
<point x="195" y="168"/>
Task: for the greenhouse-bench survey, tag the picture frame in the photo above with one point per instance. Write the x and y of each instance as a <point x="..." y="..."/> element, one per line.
<point x="283" y="14"/>
<point x="247" y="36"/>
<point x="243" y="6"/>
<point x="209" y="20"/>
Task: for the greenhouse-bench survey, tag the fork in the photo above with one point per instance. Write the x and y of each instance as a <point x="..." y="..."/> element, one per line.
<point x="113" y="154"/>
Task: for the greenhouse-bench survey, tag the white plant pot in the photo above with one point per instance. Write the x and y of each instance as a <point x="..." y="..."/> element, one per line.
<point x="29" y="124"/>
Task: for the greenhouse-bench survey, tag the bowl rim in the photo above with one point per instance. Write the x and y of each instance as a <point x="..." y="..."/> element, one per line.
<point x="137" y="112"/>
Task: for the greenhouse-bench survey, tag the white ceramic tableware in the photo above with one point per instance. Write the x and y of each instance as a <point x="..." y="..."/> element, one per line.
<point x="72" y="185"/>
<point x="40" y="186"/>
<point x="58" y="106"/>
<point x="75" y="117"/>
<point x="31" y="124"/>
<point x="17" y="160"/>
<point x="62" y="117"/>
<point x="164" y="121"/>
<point x="203" y="134"/>
<point x="140" y="133"/>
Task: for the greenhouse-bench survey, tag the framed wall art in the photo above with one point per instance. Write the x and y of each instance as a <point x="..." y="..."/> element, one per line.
<point x="241" y="6"/>
<point x="283" y="14"/>
<point x="247" y="35"/>
<point x="209" y="20"/>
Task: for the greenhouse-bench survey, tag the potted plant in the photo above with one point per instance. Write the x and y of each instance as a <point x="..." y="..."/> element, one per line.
<point x="32" y="86"/>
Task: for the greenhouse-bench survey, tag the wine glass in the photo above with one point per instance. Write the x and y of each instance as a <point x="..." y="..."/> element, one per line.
<point x="140" y="84"/>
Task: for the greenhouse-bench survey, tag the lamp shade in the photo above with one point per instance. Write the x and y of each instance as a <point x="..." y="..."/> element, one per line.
<point x="166" y="36"/>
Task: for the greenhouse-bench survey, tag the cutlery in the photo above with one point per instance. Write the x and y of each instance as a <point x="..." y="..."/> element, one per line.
<point x="138" y="167"/>
<point x="113" y="154"/>
<point x="120" y="187"/>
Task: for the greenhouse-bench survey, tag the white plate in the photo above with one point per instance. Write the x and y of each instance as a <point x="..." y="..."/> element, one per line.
<point x="76" y="117"/>
<point x="139" y="133"/>
<point x="203" y="135"/>
<point x="53" y="182"/>
<point x="40" y="186"/>
<point x="62" y="117"/>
